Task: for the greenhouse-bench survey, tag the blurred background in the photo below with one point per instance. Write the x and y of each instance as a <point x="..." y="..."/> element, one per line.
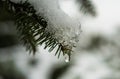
<point x="97" y="55"/>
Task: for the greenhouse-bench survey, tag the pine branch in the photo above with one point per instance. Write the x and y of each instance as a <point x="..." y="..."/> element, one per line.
<point x="32" y="28"/>
<point x="87" y="7"/>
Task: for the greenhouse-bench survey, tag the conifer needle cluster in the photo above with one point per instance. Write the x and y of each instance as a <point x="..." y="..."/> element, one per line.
<point x="31" y="28"/>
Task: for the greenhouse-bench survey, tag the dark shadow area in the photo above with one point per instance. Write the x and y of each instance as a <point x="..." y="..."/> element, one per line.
<point x="33" y="62"/>
<point x="9" y="71"/>
<point x="96" y="42"/>
<point x="8" y="41"/>
<point x="4" y="14"/>
<point x="59" y="71"/>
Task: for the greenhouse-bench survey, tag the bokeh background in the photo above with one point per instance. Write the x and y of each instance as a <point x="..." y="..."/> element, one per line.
<point x="97" y="55"/>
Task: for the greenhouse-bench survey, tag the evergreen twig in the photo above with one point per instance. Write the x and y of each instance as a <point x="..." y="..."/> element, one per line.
<point x="32" y="28"/>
